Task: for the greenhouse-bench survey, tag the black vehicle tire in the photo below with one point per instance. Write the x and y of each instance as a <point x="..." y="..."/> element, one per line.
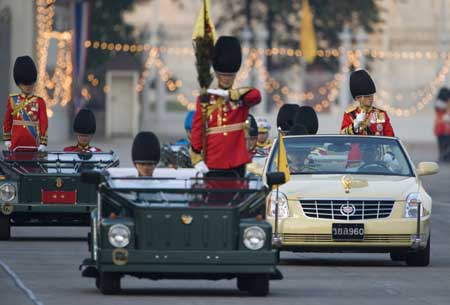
<point x="398" y="256"/>
<point x="243" y="282"/>
<point x="108" y="282"/>
<point x="259" y="285"/>
<point x="5" y="227"/>
<point x="419" y="258"/>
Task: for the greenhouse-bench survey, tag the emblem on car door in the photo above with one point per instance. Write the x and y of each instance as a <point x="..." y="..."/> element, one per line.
<point x="347" y="183"/>
<point x="59" y="182"/>
<point x="186" y="219"/>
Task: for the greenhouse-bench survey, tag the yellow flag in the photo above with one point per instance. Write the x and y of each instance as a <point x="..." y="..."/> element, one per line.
<point x="307" y="36"/>
<point x="203" y="25"/>
<point x="283" y="165"/>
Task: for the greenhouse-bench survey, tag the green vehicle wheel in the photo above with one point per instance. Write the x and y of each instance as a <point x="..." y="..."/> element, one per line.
<point x="259" y="285"/>
<point x="108" y="282"/>
<point x="243" y="282"/>
<point x="5" y="227"/>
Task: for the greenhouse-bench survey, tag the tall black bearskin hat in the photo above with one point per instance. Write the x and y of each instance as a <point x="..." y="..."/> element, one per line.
<point x="24" y="71"/>
<point x="444" y="94"/>
<point x="84" y="122"/>
<point x="307" y="117"/>
<point x="146" y="148"/>
<point x="361" y="83"/>
<point x="286" y="116"/>
<point x="298" y="130"/>
<point x="227" y="55"/>
<point x="253" y="127"/>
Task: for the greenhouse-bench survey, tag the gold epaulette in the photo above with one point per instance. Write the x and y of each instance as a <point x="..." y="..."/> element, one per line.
<point x="236" y="94"/>
<point x="351" y="109"/>
<point x="378" y="108"/>
<point x="13" y="94"/>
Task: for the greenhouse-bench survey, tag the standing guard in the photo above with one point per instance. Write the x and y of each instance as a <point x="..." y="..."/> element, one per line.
<point x="218" y="136"/>
<point x="84" y="126"/>
<point x="25" y="125"/>
<point x="365" y="119"/>
<point x="286" y="117"/>
<point x="146" y="153"/>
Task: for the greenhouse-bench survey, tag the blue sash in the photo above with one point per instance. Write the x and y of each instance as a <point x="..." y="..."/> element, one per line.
<point x="25" y="117"/>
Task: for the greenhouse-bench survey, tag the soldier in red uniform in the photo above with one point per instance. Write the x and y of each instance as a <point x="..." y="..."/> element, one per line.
<point x="227" y="111"/>
<point x="84" y="127"/>
<point x="365" y="119"/>
<point x="26" y="122"/>
<point x="442" y="123"/>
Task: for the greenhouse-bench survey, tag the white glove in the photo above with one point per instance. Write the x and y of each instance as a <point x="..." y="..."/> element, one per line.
<point x="201" y="167"/>
<point x="42" y="148"/>
<point x="7" y="144"/>
<point x="388" y="157"/>
<point x="446" y="118"/>
<point x="219" y="92"/>
<point x="359" y="119"/>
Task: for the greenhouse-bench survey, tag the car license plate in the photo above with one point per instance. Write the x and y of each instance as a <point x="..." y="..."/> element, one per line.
<point x="348" y="231"/>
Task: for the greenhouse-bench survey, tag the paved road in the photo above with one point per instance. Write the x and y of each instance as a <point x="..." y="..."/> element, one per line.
<point x="46" y="260"/>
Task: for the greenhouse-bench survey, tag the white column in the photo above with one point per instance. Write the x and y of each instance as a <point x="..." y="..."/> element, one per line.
<point x="361" y="39"/>
<point x="344" y="94"/>
<point x="261" y="43"/>
<point x="444" y="38"/>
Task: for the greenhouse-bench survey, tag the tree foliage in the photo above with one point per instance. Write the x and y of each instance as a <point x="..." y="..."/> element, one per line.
<point x="281" y="18"/>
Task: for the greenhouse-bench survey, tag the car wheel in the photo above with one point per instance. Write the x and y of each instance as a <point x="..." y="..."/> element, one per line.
<point x="397" y="256"/>
<point x="243" y="282"/>
<point x="259" y="285"/>
<point x="108" y="282"/>
<point x="419" y="258"/>
<point x="5" y="227"/>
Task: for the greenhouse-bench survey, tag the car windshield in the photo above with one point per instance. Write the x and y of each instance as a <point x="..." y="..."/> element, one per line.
<point x="185" y="192"/>
<point x="58" y="162"/>
<point x="344" y="154"/>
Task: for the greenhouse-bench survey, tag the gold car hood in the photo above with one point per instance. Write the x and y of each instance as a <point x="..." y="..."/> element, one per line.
<point x="361" y="186"/>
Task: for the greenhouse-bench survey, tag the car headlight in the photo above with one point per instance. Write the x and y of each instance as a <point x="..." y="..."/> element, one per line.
<point x="254" y="238"/>
<point x="7" y="192"/>
<point x="412" y="204"/>
<point x="283" y="206"/>
<point x="119" y="235"/>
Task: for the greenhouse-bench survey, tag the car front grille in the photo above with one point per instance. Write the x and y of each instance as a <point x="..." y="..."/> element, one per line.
<point x="347" y="209"/>
<point x="326" y="238"/>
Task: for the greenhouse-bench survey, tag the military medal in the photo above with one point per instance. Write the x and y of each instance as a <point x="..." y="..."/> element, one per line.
<point x="380" y="127"/>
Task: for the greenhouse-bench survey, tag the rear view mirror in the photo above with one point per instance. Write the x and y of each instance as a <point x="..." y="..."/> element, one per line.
<point x="275" y="178"/>
<point x="427" y="168"/>
<point x="91" y="177"/>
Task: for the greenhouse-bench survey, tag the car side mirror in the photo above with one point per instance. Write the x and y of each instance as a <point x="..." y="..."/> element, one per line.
<point x="275" y="178"/>
<point x="427" y="168"/>
<point x="91" y="177"/>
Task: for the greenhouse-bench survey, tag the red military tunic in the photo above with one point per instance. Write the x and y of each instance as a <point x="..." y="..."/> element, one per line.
<point x="81" y="148"/>
<point x="377" y="123"/>
<point x="25" y="121"/>
<point x="226" y="143"/>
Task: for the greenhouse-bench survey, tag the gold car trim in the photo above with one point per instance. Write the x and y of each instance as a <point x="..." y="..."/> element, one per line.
<point x="327" y="238"/>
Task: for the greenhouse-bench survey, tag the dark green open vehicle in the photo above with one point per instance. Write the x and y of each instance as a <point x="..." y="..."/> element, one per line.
<point x="167" y="228"/>
<point x="44" y="189"/>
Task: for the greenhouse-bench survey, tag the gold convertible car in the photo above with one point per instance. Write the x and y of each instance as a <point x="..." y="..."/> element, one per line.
<point x="352" y="194"/>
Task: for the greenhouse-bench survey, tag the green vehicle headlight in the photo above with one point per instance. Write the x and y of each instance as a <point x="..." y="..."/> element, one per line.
<point x="254" y="238"/>
<point x="119" y="235"/>
<point x="7" y="192"/>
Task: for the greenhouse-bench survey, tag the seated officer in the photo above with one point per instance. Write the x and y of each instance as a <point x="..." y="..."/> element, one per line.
<point x="84" y="127"/>
<point x="263" y="134"/>
<point x="146" y="153"/>
<point x="188" y="128"/>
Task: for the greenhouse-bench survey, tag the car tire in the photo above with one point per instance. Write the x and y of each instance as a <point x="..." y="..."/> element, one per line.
<point x="259" y="285"/>
<point x="243" y="282"/>
<point x="420" y="258"/>
<point x="108" y="282"/>
<point x="5" y="227"/>
<point x="398" y="256"/>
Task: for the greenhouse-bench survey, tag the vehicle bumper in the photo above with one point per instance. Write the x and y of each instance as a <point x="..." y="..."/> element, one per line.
<point x="49" y="214"/>
<point x="189" y="262"/>
<point x="380" y="235"/>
